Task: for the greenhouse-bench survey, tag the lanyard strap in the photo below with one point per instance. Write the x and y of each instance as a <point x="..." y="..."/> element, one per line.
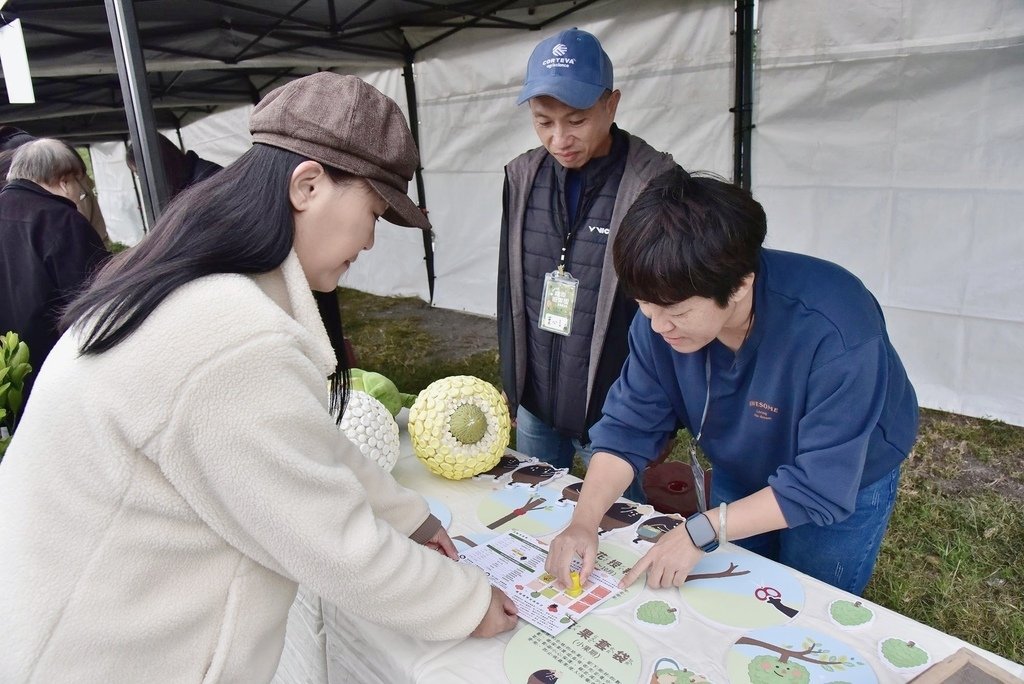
<point x="707" y="397"/>
<point x="698" y="472"/>
<point x="558" y="199"/>
<point x="565" y="248"/>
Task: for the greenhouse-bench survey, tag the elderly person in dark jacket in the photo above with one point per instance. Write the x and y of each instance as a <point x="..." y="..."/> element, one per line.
<point x="47" y="247"/>
<point x="12" y="138"/>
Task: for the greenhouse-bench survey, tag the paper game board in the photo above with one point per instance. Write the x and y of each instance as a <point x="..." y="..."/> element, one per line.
<point x="514" y="562"/>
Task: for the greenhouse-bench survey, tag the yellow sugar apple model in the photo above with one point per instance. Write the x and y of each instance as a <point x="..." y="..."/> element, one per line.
<point x="459" y="426"/>
<point x="372" y="428"/>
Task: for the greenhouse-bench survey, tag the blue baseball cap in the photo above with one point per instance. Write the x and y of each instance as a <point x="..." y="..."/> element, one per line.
<point x="571" y="67"/>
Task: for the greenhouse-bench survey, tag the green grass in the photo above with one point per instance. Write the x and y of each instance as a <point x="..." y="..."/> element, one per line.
<point x="954" y="554"/>
<point x="403" y="350"/>
<point x="954" y="562"/>
<point x="86" y="156"/>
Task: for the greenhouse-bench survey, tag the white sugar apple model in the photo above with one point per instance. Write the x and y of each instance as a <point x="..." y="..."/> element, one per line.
<point x="459" y="426"/>
<point x="372" y="428"/>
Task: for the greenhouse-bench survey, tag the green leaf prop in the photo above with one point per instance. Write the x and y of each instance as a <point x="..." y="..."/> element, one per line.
<point x="381" y="389"/>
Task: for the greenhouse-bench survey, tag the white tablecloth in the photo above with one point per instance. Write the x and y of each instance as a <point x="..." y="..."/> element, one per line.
<point x="325" y="645"/>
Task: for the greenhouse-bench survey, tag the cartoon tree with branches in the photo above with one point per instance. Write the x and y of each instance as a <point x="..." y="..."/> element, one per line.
<point x="732" y="571"/>
<point x="766" y="669"/>
<point x="534" y="503"/>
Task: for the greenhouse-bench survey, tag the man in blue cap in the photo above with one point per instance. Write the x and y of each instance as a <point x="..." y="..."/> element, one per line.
<point x="562" y="319"/>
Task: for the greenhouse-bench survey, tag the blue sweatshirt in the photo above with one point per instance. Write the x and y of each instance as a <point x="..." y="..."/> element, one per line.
<point x="815" y="403"/>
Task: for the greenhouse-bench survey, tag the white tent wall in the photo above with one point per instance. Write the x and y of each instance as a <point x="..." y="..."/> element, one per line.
<point x="889" y="139"/>
<point x="221" y="139"/>
<point x="116" y="192"/>
<point x="673" y="62"/>
<point x="395" y="265"/>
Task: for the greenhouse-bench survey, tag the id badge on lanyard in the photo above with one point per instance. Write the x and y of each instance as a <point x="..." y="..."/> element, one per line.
<point x="558" y="302"/>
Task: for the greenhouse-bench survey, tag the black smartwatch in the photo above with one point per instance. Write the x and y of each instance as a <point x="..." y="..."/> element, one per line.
<point x="702" y="534"/>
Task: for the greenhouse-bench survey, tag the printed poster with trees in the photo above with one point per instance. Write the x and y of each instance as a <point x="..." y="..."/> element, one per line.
<point x="795" y="655"/>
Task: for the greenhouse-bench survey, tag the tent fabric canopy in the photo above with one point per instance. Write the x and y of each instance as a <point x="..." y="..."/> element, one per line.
<point x="204" y="54"/>
<point x="888" y="139"/>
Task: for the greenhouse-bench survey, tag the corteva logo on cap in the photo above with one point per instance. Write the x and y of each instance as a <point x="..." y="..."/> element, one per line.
<point x="559" y="60"/>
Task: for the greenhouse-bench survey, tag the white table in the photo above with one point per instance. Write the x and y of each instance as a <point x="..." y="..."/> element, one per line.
<point x="324" y="644"/>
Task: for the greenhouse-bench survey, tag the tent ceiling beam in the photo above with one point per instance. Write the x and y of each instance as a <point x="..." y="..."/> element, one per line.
<point x="467" y="24"/>
<point x="507" y="23"/>
<point x="43" y="5"/>
<point x="268" y="13"/>
<point x="332" y="16"/>
<point x="277" y="77"/>
<point x="273" y="27"/>
<point x="337" y="27"/>
<point x="339" y="44"/>
<point x="170" y="86"/>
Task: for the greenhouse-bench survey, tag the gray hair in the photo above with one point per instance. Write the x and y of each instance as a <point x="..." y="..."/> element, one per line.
<point x="45" y="161"/>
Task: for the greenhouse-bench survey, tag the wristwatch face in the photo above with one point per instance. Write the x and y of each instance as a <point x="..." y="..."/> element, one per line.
<point x="701" y="532"/>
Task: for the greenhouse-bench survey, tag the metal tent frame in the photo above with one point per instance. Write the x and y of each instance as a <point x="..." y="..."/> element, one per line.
<point x="111" y="69"/>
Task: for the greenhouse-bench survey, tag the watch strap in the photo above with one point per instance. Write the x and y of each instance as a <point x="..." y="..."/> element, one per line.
<point x="706" y="543"/>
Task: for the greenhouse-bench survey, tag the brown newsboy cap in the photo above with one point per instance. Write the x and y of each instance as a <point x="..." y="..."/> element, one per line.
<point x="344" y="122"/>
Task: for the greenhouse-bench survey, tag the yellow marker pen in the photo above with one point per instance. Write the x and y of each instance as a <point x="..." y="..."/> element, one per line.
<point x="575" y="590"/>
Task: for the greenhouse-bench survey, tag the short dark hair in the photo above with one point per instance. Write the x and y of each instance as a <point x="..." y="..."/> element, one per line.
<point x="172" y="160"/>
<point x="237" y="221"/>
<point x="688" y="236"/>
<point x="12" y="138"/>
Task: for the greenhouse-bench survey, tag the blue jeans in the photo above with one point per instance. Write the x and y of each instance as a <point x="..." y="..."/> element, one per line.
<point x="842" y="554"/>
<point x="536" y="438"/>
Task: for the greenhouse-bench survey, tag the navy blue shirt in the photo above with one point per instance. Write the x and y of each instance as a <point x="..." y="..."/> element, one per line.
<point x="573" y="187"/>
<point x="815" y="403"/>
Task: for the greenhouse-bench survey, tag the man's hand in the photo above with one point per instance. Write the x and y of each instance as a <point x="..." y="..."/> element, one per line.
<point x="576" y="540"/>
<point x="501" y="616"/>
<point x="443" y="544"/>
<point x="668" y="562"/>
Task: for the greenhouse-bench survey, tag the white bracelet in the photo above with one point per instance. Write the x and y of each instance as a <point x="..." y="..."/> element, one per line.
<point x="722" y="537"/>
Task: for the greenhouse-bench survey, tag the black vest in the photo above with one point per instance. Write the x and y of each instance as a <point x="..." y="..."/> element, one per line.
<point x="556" y="382"/>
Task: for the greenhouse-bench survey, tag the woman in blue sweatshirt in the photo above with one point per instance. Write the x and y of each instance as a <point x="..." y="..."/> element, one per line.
<point x="777" y="363"/>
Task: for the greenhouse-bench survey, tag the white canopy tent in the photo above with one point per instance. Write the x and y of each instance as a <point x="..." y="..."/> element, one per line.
<point x="889" y="138"/>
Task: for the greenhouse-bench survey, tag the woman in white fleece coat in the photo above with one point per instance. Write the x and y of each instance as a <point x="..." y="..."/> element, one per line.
<point x="177" y="471"/>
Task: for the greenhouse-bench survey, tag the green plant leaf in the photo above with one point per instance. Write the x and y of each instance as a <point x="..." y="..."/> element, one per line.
<point x="19" y="372"/>
<point x="20" y="356"/>
<point x="14" y="397"/>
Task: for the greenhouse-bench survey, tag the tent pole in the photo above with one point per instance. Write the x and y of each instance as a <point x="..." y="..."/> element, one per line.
<point x="743" y="109"/>
<point x="131" y="71"/>
<point x="138" y="199"/>
<point x="428" y="235"/>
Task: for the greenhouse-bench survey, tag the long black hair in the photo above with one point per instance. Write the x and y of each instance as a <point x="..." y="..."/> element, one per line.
<point x="237" y="221"/>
